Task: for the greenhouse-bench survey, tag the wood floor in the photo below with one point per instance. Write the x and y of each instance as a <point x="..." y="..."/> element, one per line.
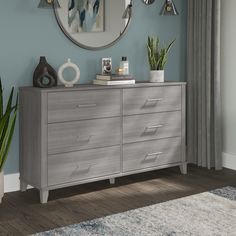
<point x="21" y="213"/>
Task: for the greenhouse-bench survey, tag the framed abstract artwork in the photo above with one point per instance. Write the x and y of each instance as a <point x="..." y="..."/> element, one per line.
<point x="85" y="16"/>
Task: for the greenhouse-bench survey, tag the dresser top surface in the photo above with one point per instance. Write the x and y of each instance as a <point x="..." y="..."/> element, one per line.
<point x="95" y="87"/>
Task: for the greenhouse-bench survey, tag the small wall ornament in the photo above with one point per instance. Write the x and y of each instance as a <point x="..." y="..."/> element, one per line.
<point x="69" y="64"/>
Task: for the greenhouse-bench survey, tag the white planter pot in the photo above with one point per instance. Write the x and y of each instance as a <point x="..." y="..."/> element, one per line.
<point x="1" y="185"/>
<point x="157" y="76"/>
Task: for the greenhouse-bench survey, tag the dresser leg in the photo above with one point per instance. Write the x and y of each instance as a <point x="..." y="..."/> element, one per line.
<point x="183" y="168"/>
<point x="23" y="186"/>
<point x="43" y="196"/>
<point x="112" y="181"/>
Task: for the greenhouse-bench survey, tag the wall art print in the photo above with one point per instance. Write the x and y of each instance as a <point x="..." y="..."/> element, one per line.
<point x="85" y="16"/>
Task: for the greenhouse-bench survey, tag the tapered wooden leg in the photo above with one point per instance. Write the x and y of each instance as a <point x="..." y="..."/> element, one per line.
<point x="43" y="196"/>
<point x="112" y="181"/>
<point x="183" y="168"/>
<point x="23" y="186"/>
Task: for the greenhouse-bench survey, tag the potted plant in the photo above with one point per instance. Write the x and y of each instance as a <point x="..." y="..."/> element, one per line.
<point x="7" y="125"/>
<point x="157" y="58"/>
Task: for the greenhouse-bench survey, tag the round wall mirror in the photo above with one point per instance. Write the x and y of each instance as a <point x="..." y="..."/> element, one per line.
<point x="92" y="24"/>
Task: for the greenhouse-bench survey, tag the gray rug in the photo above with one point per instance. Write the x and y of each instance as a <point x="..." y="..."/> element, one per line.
<point x="206" y="214"/>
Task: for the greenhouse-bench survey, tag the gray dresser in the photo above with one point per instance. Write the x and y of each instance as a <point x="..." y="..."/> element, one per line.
<point x="71" y="136"/>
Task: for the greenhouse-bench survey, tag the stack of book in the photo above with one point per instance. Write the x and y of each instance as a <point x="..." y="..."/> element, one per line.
<point x="113" y="79"/>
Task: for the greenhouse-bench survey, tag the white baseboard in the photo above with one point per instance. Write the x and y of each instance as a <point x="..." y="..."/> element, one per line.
<point x="229" y="161"/>
<point x="11" y="183"/>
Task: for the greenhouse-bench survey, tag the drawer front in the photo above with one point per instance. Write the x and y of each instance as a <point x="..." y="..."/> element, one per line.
<point x="81" y="165"/>
<point x="151" y="153"/>
<point x="149" y="100"/>
<point x="73" y="136"/>
<point x="70" y="106"/>
<point x="151" y="126"/>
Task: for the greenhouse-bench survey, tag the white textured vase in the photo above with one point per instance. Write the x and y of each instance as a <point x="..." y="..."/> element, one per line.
<point x="1" y="185"/>
<point x="157" y="76"/>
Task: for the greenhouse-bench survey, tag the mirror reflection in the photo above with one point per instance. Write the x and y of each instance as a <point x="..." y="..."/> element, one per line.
<point x="148" y="2"/>
<point x="92" y="24"/>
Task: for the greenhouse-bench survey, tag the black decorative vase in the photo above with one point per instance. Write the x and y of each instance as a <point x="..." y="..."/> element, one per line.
<point x="44" y="75"/>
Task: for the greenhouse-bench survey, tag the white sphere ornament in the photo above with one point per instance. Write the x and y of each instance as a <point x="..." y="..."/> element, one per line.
<point x="69" y="64"/>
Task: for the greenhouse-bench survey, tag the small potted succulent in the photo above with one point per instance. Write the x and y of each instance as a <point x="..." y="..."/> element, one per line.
<point x="157" y="58"/>
<point x="7" y="126"/>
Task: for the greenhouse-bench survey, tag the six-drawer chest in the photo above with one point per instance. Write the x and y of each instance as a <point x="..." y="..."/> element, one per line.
<point x="71" y="136"/>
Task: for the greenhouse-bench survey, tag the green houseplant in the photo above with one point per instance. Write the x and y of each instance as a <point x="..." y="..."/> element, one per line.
<point x="157" y="58"/>
<point x="7" y="126"/>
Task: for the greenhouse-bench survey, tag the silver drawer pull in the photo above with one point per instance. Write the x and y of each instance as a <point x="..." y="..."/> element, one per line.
<point x="86" y="105"/>
<point x="154" y="127"/>
<point x="154" y="99"/>
<point x="83" y="140"/>
<point x="79" y="169"/>
<point x="154" y="154"/>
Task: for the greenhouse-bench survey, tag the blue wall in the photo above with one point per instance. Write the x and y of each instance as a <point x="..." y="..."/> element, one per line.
<point x="27" y="32"/>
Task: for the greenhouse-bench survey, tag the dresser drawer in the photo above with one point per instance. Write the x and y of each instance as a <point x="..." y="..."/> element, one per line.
<point x="149" y="100"/>
<point x="151" y="126"/>
<point x="81" y="165"/>
<point x="151" y="153"/>
<point x="79" y="105"/>
<point x="73" y="136"/>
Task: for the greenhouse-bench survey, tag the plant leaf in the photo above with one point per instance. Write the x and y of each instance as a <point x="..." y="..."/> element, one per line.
<point x="7" y="124"/>
<point x="169" y="46"/>
<point x="157" y="57"/>
<point x="8" y="108"/>
<point x="7" y="140"/>
<point x="1" y="99"/>
<point x="3" y="122"/>
<point x="9" y="103"/>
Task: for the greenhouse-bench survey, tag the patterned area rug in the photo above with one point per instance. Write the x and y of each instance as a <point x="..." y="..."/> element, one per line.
<point x="206" y="214"/>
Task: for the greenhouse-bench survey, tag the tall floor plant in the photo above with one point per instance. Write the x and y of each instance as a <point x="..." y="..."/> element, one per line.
<point x="7" y="124"/>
